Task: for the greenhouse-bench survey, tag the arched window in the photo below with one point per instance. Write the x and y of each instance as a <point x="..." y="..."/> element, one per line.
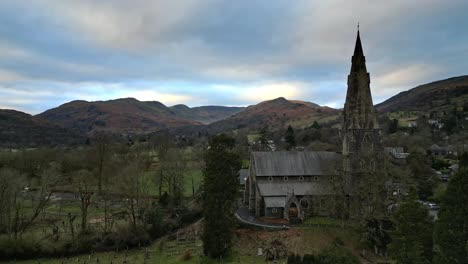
<point x="285" y="178"/>
<point x="270" y="178"/>
<point x="301" y="178"/>
<point x="304" y="203"/>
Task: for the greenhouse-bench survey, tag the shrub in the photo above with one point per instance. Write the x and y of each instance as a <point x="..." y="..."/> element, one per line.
<point x="187" y="255"/>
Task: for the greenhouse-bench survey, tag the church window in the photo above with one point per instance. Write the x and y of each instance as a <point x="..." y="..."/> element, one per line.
<point x="301" y="178"/>
<point x="270" y="178"/>
<point x="304" y="203"/>
<point x="285" y="178"/>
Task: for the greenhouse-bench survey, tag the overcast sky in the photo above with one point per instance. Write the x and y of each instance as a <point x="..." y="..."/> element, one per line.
<point x="212" y="52"/>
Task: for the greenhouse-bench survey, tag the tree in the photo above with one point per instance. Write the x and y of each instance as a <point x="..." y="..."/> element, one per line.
<point x="84" y="191"/>
<point x="412" y="239"/>
<point x="172" y="170"/>
<point x="451" y="229"/>
<point x="102" y="142"/>
<point x="423" y="175"/>
<point x="220" y="183"/>
<point x="133" y="186"/>
<point x="10" y="182"/>
<point x="393" y="127"/>
<point x="161" y="145"/>
<point x="290" y="138"/>
<point x="315" y="125"/>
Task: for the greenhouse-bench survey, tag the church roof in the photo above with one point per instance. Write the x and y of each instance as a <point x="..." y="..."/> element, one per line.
<point x="282" y="188"/>
<point x="294" y="163"/>
<point x="275" y="201"/>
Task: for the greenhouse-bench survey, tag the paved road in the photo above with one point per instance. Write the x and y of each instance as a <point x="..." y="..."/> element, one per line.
<point x="245" y="216"/>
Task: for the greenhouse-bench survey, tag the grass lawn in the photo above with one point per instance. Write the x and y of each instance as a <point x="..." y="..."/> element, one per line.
<point x="253" y="137"/>
<point x="322" y="221"/>
<point x="307" y="240"/>
<point x="191" y="173"/>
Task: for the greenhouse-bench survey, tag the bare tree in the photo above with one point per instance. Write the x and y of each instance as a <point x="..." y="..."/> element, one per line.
<point x="9" y="189"/>
<point x="102" y="145"/>
<point x="160" y="146"/>
<point x="133" y="185"/>
<point x="20" y="207"/>
<point x="83" y="185"/>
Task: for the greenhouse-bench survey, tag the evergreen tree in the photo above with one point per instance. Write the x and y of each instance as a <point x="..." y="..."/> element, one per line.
<point x="393" y="127"/>
<point x="315" y="125"/>
<point x="412" y="239"/>
<point x="451" y="229"/>
<point x="463" y="160"/>
<point x="220" y="183"/>
<point x="290" y="138"/>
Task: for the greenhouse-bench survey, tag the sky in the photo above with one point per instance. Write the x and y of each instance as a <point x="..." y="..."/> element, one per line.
<point x="213" y="52"/>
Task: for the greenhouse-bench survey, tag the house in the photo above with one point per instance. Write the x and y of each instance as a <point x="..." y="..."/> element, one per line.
<point x="436" y="150"/>
<point x="454" y="168"/>
<point x="412" y="123"/>
<point x="397" y="154"/>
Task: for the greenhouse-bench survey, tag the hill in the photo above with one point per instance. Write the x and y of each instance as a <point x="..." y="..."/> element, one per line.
<point x="277" y="113"/>
<point x="205" y="114"/>
<point x="126" y="115"/>
<point x="20" y="130"/>
<point x="433" y="96"/>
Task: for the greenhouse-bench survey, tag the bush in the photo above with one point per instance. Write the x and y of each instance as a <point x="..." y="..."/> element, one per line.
<point x="187" y="255"/>
<point x="338" y="242"/>
<point x="18" y="248"/>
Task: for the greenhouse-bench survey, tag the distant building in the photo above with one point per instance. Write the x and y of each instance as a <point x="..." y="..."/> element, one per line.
<point x="437" y="150"/>
<point x="397" y="154"/>
<point x="412" y="123"/>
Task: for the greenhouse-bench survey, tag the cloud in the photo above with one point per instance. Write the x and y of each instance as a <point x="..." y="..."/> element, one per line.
<point x="151" y="95"/>
<point x="187" y="51"/>
<point x="403" y="78"/>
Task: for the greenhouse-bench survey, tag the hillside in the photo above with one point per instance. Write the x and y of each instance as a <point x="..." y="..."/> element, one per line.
<point x="277" y="113"/>
<point x="126" y="115"/>
<point x="19" y="130"/>
<point x="429" y="97"/>
<point x="205" y="114"/>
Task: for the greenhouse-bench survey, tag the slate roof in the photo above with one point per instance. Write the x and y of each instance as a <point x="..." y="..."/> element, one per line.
<point x="294" y="163"/>
<point x="275" y="201"/>
<point x="281" y="188"/>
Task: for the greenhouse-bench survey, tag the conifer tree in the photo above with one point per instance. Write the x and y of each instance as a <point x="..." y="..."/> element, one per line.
<point x="451" y="229"/>
<point x="220" y="190"/>
<point x="290" y="138"/>
<point x="412" y="239"/>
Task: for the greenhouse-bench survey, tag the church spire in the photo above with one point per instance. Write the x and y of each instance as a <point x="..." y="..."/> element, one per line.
<point x="359" y="110"/>
<point x="358" y="60"/>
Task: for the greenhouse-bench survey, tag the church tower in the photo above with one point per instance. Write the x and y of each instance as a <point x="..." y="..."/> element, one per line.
<point x="360" y="131"/>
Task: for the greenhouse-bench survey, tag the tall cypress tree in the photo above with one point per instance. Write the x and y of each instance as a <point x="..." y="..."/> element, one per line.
<point x="220" y="190"/>
<point x="290" y="138"/>
<point x="451" y="230"/>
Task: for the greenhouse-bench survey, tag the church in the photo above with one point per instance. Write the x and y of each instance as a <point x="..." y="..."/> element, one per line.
<point x="294" y="185"/>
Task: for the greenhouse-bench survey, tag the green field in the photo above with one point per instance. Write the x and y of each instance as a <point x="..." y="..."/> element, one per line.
<point x="247" y="242"/>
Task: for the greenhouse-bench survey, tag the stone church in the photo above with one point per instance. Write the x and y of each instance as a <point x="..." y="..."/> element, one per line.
<point x="297" y="184"/>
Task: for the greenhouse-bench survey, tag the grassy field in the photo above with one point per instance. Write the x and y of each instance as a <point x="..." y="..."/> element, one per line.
<point x="246" y="243"/>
